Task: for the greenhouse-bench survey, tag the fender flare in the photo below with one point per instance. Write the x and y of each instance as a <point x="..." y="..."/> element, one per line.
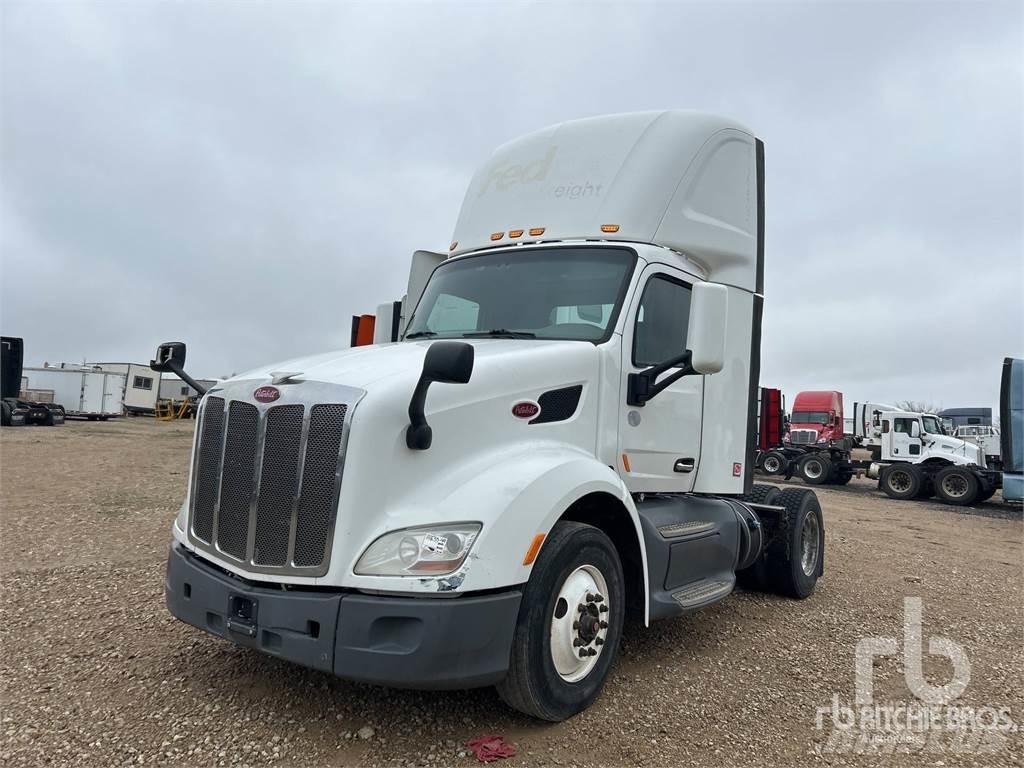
<point x="534" y="489"/>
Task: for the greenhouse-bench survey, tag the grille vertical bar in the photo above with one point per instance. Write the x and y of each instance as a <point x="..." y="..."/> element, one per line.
<point x="319" y="483"/>
<point x="236" y="485"/>
<point x="279" y="482"/>
<point x="207" y="468"/>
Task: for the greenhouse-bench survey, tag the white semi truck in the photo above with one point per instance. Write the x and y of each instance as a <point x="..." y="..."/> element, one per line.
<point x="562" y="438"/>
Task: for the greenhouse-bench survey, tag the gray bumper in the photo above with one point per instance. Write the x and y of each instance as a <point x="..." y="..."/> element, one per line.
<point x="436" y="643"/>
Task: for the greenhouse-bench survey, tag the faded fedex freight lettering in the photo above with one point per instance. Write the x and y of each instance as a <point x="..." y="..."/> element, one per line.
<point x="505" y="176"/>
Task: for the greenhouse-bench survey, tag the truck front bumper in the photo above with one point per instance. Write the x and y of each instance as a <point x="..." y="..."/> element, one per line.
<point x="434" y="643"/>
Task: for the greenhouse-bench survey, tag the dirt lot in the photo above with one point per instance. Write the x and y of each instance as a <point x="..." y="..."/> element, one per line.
<point x="95" y="672"/>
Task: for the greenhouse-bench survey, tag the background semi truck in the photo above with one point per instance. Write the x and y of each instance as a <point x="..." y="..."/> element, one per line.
<point x="16" y="411"/>
<point x="911" y="454"/>
<point x="562" y="438"/>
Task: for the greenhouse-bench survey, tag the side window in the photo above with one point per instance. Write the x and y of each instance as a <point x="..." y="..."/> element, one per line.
<point x="885" y="426"/>
<point x="903" y="425"/>
<point x="184" y="390"/>
<point x="453" y="313"/>
<point x="142" y="382"/>
<point x="661" y="321"/>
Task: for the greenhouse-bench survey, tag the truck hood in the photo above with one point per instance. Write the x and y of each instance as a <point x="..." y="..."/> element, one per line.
<point x="954" y="448"/>
<point x="362" y="367"/>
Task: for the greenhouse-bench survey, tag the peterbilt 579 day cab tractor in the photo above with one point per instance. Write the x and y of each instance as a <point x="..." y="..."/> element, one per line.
<point x="560" y="439"/>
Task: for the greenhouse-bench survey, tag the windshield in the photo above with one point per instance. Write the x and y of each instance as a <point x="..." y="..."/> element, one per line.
<point x="809" y="417"/>
<point x="547" y="293"/>
<point x="932" y="425"/>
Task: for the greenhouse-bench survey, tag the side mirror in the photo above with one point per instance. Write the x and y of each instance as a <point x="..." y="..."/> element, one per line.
<point x="168" y="354"/>
<point x="709" y="311"/>
<point x="447" y="362"/>
<point x="170" y="358"/>
<point x="915" y="429"/>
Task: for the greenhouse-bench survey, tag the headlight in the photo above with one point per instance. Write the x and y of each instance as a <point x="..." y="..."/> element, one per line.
<point x="426" y="550"/>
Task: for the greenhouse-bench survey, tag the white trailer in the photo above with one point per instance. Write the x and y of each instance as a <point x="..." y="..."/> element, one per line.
<point x="174" y="389"/>
<point x="141" y="386"/>
<point x="561" y="438"/>
<point x="81" y="391"/>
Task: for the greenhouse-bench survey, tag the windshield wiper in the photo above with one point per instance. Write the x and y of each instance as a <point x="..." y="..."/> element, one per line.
<point x="500" y="333"/>
<point x="420" y="334"/>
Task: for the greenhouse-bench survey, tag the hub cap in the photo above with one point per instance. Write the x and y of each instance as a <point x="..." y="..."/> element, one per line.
<point x="579" y="624"/>
<point x="899" y="480"/>
<point x="813" y="469"/>
<point x="810" y="535"/>
<point x="954" y="486"/>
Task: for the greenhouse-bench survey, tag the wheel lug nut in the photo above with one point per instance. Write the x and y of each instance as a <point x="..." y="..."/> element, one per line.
<point x="583" y="653"/>
<point x="581" y="608"/>
<point x="603" y="625"/>
<point x="576" y="643"/>
<point x="575" y="625"/>
<point x="604" y="609"/>
<point x="598" y="641"/>
<point x="590" y="598"/>
<point x="598" y="598"/>
<point x="592" y="651"/>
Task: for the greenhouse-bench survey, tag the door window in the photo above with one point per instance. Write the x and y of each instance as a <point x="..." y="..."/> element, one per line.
<point x="661" y="322"/>
<point x="903" y="425"/>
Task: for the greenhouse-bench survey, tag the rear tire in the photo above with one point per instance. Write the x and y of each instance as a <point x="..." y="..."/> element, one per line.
<point x="761" y="493"/>
<point x="842" y="478"/>
<point x="573" y="556"/>
<point x="795" y="557"/>
<point x="5" y="414"/>
<point x="986" y="493"/>
<point x="901" y="481"/>
<point x="957" y="486"/>
<point x="774" y="463"/>
<point x="815" y="469"/>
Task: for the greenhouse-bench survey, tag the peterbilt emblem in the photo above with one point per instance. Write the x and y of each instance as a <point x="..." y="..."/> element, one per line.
<point x="266" y="394"/>
<point x="525" y="410"/>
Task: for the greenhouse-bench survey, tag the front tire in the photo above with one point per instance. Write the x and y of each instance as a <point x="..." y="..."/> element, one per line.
<point x="568" y="631"/>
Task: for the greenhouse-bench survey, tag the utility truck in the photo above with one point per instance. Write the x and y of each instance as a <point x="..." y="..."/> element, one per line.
<point x="561" y="438"/>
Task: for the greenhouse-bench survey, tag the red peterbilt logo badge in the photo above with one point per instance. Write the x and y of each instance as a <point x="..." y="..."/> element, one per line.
<point x="267" y="394"/>
<point x="525" y="410"/>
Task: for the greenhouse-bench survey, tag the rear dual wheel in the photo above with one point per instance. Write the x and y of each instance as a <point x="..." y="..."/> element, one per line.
<point x="815" y="469"/>
<point x="958" y="486"/>
<point x="569" y="627"/>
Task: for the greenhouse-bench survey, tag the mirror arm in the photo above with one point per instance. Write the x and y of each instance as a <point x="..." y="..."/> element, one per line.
<point x="644" y="385"/>
<point x="418" y="435"/>
<point x="177" y="370"/>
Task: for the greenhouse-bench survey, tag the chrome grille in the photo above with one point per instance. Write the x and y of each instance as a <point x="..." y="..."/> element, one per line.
<point x="266" y="483"/>
<point x="803" y="436"/>
<point x="207" y="469"/>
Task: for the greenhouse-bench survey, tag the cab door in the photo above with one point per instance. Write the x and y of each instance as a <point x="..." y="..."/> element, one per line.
<point x="905" y="443"/>
<point x="659" y="443"/>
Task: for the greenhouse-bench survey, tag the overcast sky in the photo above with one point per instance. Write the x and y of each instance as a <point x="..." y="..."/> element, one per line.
<point x="246" y="176"/>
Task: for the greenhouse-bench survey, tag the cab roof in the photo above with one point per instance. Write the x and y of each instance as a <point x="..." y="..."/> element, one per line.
<point x="688" y="181"/>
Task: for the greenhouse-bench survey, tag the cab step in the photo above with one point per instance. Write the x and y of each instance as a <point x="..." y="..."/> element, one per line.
<point x="702" y="592"/>
<point x="688" y="528"/>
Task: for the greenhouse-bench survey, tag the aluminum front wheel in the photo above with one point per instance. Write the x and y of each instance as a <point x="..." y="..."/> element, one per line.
<point x="813" y="469"/>
<point x="772" y="465"/>
<point x="899" y="480"/>
<point x="579" y="626"/>
<point x="810" y="544"/>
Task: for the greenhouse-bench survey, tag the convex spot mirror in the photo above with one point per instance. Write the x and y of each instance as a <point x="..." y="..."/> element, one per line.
<point x="709" y="310"/>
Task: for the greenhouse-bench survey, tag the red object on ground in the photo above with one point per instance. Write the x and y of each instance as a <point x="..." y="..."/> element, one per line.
<point x="491" y="748"/>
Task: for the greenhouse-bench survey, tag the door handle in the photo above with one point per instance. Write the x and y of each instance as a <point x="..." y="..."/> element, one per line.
<point x="684" y="465"/>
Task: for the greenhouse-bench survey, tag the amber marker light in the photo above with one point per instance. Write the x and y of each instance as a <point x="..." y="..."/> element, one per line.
<point x="625" y="462"/>
<point x="536" y="231"/>
<point x="515" y="233"/>
<point x="609" y="228"/>
<point x="497" y="235"/>
<point x="531" y="553"/>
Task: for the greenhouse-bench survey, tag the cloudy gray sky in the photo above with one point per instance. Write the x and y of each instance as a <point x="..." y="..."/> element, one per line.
<point x="246" y="176"/>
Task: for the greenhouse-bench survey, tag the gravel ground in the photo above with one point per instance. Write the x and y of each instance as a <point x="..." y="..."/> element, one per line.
<point x="95" y="672"/>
